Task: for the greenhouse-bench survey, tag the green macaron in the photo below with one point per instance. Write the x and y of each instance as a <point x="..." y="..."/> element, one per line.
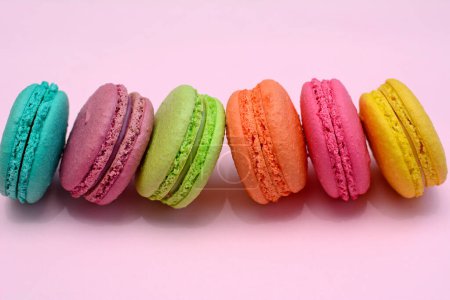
<point x="33" y="141"/>
<point x="186" y="143"/>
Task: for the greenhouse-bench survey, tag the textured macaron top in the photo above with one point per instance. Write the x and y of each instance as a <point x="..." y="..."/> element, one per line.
<point x="102" y="140"/>
<point x="186" y="152"/>
<point x="32" y="142"/>
<point x="188" y="129"/>
<point x="419" y="128"/>
<point x="172" y="121"/>
<point x="262" y="156"/>
<point x="265" y="136"/>
<point x="29" y="101"/>
<point x="133" y="137"/>
<point x="93" y="137"/>
<point x="203" y="155"/>
<point x="403" y="139"/>
<point x="335" y="139"/>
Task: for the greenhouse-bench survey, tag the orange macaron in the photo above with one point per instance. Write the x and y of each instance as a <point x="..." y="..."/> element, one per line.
<point x="266" y="141"/>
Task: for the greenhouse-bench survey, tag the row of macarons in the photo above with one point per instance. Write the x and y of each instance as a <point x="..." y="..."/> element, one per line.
<point x="171" y="154"/>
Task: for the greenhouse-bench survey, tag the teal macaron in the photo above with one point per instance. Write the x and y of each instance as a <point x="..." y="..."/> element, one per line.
<point x="187" y="139"/>
<point x="33" y="141"/>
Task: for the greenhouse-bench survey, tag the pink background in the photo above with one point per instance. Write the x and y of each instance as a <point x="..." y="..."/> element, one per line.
<point x="223" y="246"/>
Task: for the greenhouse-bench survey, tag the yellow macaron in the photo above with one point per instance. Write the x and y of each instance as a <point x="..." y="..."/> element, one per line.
<point x="403" y="139"/>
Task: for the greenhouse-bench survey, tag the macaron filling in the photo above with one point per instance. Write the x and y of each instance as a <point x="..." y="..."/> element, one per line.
<point x="119" y="123"/>
<point x="33" y="141"/>
<point x="267" y="148"/>
<point x="22" y="135"/>
<point x="335" y="139"/>
<point x="257" y="160"/>
<point x="414" y="138"/>
<point x="119" y="141"/>
<point x="195" y="167"/>
<point x="123" y="148"/>
<point x="191" y="157"/>
<point x="187" y="150"/>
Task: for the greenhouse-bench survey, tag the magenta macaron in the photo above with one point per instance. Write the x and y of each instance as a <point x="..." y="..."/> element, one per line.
<point x="335" y="139"/>
<point x="106" y="144"/>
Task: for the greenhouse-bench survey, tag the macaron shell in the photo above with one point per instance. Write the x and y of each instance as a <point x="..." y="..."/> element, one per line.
<point x="88" y="135"/>
<point x="129" y="155"/>
<point x="426" y="130"/>
<point x="186" y="153"/>
<point x="390" y="146"/>
<point x="171" y="122"/>
<point x="354" y="137"/>
<point x="317" y="146"/>
<point x="336" y="140"/>
<point x="212" y="155"/>
<point x="33" y="141"/>
<point x="286" y="134"/>
<point x="50" y="146"/>
<point x="240" y="150"/>
<point x="9" y="133"/>
<point x="257" y="134"/>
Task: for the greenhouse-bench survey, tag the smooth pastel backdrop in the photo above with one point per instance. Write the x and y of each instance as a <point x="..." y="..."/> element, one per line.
<point x="224" y="246"/>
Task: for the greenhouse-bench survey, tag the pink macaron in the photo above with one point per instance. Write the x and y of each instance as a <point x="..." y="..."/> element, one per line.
<point x="335" y="139"/>
<point x="106" y="144"/>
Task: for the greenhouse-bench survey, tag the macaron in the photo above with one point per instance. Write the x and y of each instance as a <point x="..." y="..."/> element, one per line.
<point x="186" y="143"/>
<point x="106" y="144"/>
<point x="33" y="141"/>
<point x="402" y="138"/>
<point x="335" y="138"/>
<point x="266" y="141"/>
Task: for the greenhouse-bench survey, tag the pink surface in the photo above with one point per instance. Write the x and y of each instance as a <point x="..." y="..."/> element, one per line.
<point x="224" y="246"/>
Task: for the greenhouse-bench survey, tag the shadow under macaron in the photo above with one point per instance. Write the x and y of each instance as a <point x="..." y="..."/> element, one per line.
<point x="247" y="210"/>
<point x="327" y="208"/>
<point x="387" y="201"/>
<point x="45" y="210"/>
<point x="201" y="212"/>
<point x="125" y="209"/>
<point x="224" y="185"/>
